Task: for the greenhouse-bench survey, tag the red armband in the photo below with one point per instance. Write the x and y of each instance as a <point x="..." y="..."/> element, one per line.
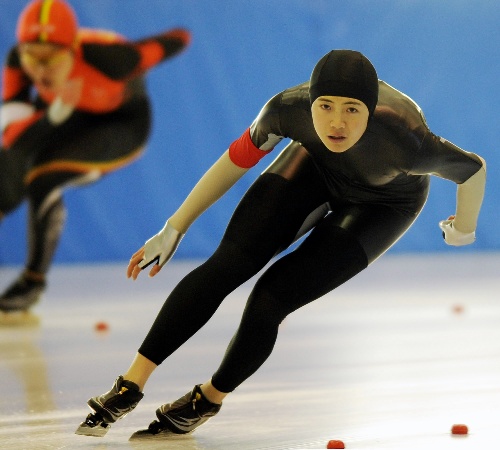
<point x="244" y="153"/>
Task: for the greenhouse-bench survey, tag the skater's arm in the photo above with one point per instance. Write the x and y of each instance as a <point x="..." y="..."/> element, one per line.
<point x="242" y="154"/>
<point x="438" y="156"/>
<point x="469" y="200"/>
<point x="212" y="186"/>
<point x="125" y="60"/>
<point x="460" y="229"/>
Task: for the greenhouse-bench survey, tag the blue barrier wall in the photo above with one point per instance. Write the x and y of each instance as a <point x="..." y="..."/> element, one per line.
<point x="444" y="54"/>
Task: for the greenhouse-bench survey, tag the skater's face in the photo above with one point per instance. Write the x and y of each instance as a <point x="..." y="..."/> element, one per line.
<point x="48" y="65"/>
<point x="339" y="121"/>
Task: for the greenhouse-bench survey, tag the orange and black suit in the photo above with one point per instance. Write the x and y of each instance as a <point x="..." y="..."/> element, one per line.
<point x="107" y="130"/>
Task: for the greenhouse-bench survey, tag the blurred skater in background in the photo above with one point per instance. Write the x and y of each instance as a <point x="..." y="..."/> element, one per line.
<point x="74" y="108"/>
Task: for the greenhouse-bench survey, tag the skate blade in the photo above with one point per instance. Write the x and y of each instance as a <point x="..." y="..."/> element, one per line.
<point x="93" y="425"/>
<point x="156" y="431"/>
<point x="146" y="435"/>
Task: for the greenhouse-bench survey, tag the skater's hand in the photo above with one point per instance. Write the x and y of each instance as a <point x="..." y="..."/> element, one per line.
<point x="64" y="104"/>
<point x="157" y="251"/>
<point x="452" y="236"/>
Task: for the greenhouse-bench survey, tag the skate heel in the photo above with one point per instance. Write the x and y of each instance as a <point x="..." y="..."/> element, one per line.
<point x="93" y="425"/>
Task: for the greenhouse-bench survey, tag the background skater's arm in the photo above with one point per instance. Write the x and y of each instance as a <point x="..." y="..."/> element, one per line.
<point x="161" y="247"/>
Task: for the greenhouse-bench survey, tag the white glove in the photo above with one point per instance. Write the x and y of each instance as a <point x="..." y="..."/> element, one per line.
<point x="161" y="247"/>
<point x="59" y="111"/>
<point x="454" y="237"/>
<point x="14" y="111"/>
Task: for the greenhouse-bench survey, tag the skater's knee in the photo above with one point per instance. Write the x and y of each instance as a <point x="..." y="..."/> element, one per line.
<point x="266" y="306"/>
<point x="41" y="189"/>
<point x="233" y="259"/>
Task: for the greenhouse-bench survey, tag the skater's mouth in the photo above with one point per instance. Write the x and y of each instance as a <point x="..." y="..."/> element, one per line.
<point x="336" y="138"/>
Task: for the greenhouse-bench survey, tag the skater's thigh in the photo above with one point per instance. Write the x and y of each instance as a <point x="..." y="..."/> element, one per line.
<point x="12" y="188"/>
<point x="101" y="142"/>
<point x="340" y="246"/>
<point x="326" y="258"/>
<point x="275" y="207"/>
<point x="270" y="214"/>
<point x="376" y="227"/>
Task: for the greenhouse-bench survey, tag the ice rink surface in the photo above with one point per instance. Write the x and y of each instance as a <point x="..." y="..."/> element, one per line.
<point x="390" y="360"/>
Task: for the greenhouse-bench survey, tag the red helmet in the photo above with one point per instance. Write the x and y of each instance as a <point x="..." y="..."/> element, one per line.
<point x="52" y="21"/>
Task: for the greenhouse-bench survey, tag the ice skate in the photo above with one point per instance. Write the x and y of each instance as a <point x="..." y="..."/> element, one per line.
<point x="109" y="407"/>
<point x="21" y="295"/>
<point x="181" y="417"/>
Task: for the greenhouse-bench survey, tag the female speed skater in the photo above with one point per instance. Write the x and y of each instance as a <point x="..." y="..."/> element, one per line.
<point x="90" y="116"/>
<point x="356" y="175"/>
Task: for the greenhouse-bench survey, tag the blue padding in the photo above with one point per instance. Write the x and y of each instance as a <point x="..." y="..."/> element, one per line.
<point x="444" y="54"/>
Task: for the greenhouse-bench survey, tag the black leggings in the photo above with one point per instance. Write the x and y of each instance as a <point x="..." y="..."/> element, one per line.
<point x="267" y="220"/>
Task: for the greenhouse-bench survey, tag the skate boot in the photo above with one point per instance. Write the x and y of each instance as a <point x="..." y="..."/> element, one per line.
<point x="182" y="416"/>
<point x="109" y="407"/>
<point x="21" y="295"/>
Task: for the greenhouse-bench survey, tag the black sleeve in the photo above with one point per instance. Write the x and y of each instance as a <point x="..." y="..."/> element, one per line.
<point x="116" y="61"/>
<point x="123" y="59"/>
<point x="437" y="156"/>
<point x="265" y="130"/>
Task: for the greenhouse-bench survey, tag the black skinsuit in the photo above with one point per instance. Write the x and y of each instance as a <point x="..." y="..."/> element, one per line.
<point x="359" y="203"/>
